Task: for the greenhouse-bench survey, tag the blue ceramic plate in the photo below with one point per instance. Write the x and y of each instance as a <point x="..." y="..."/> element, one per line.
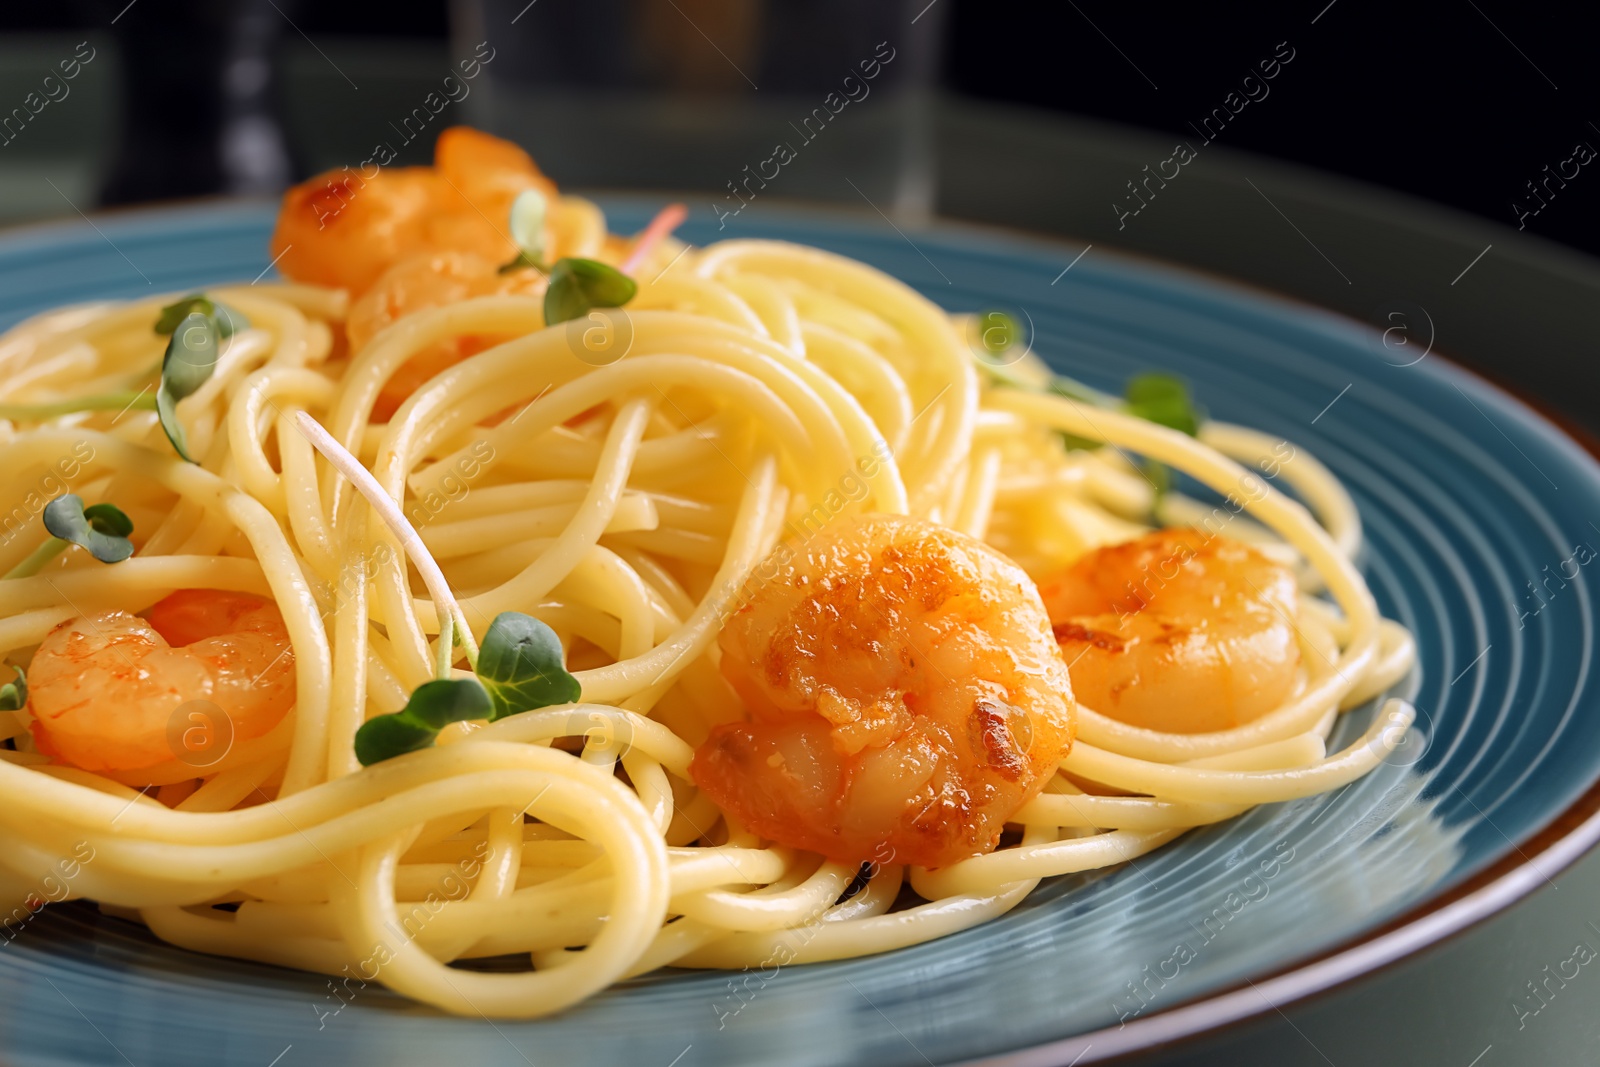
<point x="1479" y="538"/>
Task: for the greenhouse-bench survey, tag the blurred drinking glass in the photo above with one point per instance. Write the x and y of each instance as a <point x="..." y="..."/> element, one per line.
<point x="737" y="100"/>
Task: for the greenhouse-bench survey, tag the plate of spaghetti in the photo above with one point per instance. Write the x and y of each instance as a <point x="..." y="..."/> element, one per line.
<point x="525" y="628"/>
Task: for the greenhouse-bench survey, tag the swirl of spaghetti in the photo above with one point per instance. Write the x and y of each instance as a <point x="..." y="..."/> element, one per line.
<point x="752" y="400"/>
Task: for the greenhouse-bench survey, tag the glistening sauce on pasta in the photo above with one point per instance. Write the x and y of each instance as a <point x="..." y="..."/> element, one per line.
<point x="606" y="603"/>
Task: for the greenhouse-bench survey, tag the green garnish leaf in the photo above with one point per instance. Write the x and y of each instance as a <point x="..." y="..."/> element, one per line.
<point x="520" y="665"/>
<point x="108" y="519"/>
<point x="191" y="355"/>
<point x="101" y="529"/>
<point x="190" y="359"/>
<point x="576" y="285"/>
<point x="13" y="695"/>
<point x="388" y="736"/>
<point x="1164" y="400"/>
<point x="527" y="230"/>
<point x="229" y="321"/>
<point x="167" y="411"/>
<point x="997" y="331"/>
<point x="433" y="706"/>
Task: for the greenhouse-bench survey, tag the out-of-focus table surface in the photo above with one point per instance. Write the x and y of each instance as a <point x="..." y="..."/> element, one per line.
<point x="1519" y="309"/>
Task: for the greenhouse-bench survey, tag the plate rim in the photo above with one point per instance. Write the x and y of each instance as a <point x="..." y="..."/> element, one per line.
<point x="1559" y="842"/>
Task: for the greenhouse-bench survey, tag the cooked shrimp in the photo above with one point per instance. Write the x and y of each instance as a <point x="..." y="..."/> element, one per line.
<point x="1177" y="630"/>
<point x="488" y="173"/>
<point x="104" y="688"/>
<point x="905" y="696"/>
<point x="345" y="228"/>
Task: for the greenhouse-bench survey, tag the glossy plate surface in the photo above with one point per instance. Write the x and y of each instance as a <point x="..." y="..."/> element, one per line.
<point x="1480" y="537"/>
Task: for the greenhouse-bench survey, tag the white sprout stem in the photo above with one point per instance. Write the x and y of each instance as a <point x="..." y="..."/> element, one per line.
<point x="528" y="223"/>
<point x="445" y="654"/>
<point x="444" y="601"/>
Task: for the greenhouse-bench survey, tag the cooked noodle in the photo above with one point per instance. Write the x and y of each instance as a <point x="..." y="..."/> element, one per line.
<point x="619" y="478"/>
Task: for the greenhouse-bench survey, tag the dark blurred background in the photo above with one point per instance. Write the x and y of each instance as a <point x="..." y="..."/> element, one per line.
<point x="1461" y="103"/>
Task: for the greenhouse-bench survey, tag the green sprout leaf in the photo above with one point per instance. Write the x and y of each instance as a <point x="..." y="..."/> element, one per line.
<point x="167" y="411"/>
<point x="108" y="519"/>
<point x="519" y="668"/>
<point x="527" y="230"/>
<point x="229" y="321"/>
<point x="191" y="355"/>
<point x="520" y="665"/>
<point x="13" y="695"/>
<point x="1164" y="400"/>
<point x="198" y="325"/>
<point x="996" y="331"/>
<point x="101" y="529"/>
<point x="576" y="285"/>
<point x="433" y="706"/>
<point x="190" y="359"/>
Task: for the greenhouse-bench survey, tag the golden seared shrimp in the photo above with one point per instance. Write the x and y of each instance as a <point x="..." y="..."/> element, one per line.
<point x="1177" y="630"/>
<point x="103" y="689"/>
<point x="344" y="228"/>
<point x="905" y="696"/>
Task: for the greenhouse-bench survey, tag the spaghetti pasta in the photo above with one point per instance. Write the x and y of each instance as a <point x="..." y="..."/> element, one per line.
<point x="619" y="478"/>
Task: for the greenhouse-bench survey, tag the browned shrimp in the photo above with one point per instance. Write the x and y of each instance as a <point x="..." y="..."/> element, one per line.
<point x="905" y="696"/>
<point x="1177" y="631"/>
<point x="103" y="688"/>
<point x="345" y="228"/>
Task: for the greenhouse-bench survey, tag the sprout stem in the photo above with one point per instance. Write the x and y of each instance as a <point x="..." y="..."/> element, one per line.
<point x="145" y="400"/>
<point x="445" y="654"/>
<point x="444" y="602"/>
<point x="38" y="558"/>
